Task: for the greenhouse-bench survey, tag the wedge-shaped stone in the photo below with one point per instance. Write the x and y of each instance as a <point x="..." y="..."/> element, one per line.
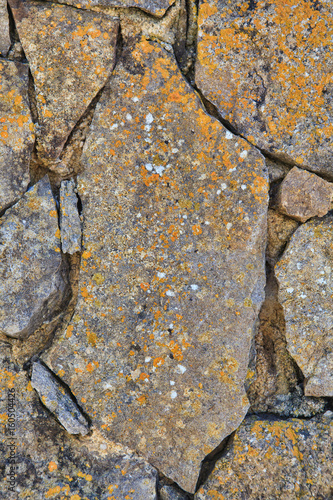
<point x="303" y="195"/>
<point x="172" y="274"/>
<point x="267" y="66"/>
<point x="275" y="459"/>
<point x="16" y="132"/>
<point x="32" y="275"/>
<point x="51" y="464"/>
<point x="71" y="54"/>
<point x="58" y="400"/>
<point x="155" y="7"/>
<point x="4" y="29"/>
<point x="305" y="275"/>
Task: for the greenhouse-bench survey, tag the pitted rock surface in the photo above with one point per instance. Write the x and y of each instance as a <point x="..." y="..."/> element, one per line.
<point x="172" y="272"/>
<point x="303" y="195"/>
<point x="50" y="463"/>
<point x="4" y="29"/>
<point x="155" y="7"/>
<point x="267" y="66"/>
<point x="16" y="132"/>
<point x="275" y="459"/>
<point x="71" y="53"/>
<point x="32" y="275"/>
<point x="305" y="292"/>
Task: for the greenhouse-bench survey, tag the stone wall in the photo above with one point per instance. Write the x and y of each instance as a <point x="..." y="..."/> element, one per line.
<point x="166" y="257"/>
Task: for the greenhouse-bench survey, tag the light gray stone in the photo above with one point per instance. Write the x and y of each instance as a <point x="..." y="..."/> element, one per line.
<point x="275" y="459"/>
<point x="4" y="28"/>
<point x="172" y="273"/>
<point x="70" y="223"/>
<point x="303" y="195"/>
<point x="16" y="132"/>
<point x="71" y="54"/>
<point x="33" y="275"/>
<point x="57" y="400"/>
<point x="305" y="275"/>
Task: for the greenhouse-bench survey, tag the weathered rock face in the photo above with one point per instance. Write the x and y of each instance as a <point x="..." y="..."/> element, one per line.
<point x="303" y="195"/>
<point x="32" y="274"/>
<point x="286" y="459"/>
<point x="4" y="29"/>
<point x="16" y="132"/>
<point x="305" y="278"/>
<point x="155" y="7"/>
<point x="71" y="54"/>
<point x="172" y="271"/>
<point x="267" y="67"/>
<point x="70" y="223"/>
<point x="279" y="230"/>
<point x="49" y="463"/>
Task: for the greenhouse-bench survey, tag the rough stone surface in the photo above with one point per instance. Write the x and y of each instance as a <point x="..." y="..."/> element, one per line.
<point x="171" y="493"/>
<point x="305" y="280"/>
<point x="32" y="274"/>
<point x="57" y="400"/>
<point x="274" y="459"/>
<point x="303" y="195"/>
<point x="267" y="66"/>
<point x="172" y="271"/>
<point x="155" y="7"/>
<point x="71" y="54"/>
<point x="279" y="230"/>
<point x="4" y="29"/>
<point x="51" y="464"/>
<point x="16" y="132"/>
<point x="70" y="223"/>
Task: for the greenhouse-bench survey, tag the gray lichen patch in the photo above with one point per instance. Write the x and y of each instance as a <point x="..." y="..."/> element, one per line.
<point x="33" y="274"/>
<point x="55" y="397"/>
<point x="70" y="223"/>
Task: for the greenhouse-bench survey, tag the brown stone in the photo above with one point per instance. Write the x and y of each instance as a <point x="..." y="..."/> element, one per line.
<point x="4" y="29"/>
<point x="305" y="291"/>
<point x="16" y="132"/>
<point x="155" y="7"/>
<point x="172" y="272"/>
<point x="275" y="459"/>
<point x="303" y="195"/>
<point x="267" y="67"/>
<point x="279" y="230"/>
<point x="33" y="276"/>
<point x="71" y="54"/>
<point x="50" y="463"/>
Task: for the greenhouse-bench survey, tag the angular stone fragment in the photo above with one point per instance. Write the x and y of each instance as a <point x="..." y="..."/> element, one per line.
<point x="4" y="29"/>
<point x="279" y="230"/>
<point x="275" y="459"/>
<point x="305" y="275"/>
<point x="51" y="464"/>
<point x="32" y="275"/>
<point x="57" y="400"/>
<point x="170" y="493"/>
<point x="71" y="54"/>
<point x="267" y="66"/>
<point x="16" y="132"/>
<point x="172" y="272"/>
<point x="303" y="195"/>
<point x="70" y="224"/>
<point x="155" y="7"/>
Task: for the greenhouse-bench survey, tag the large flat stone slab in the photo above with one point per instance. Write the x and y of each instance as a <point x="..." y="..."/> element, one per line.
<point x="33" y="276"/>
<point x="16" y="132"/>
<point x="71" y="54"/>
<point x="267" y="66"/>
<point x="172" y="272"/>
<point x="275" y="459"/>
<point x="305" y="275"/>
<point x="48" y="463"/>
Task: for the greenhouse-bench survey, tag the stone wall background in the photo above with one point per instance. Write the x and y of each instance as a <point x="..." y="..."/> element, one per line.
<point x="165" y="249"/>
